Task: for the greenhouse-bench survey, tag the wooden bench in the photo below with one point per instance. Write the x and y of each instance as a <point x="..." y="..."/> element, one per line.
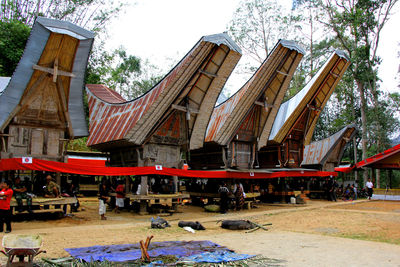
<point x="44" y="205"/>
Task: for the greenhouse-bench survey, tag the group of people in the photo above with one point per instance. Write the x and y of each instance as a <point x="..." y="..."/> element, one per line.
<point x="21" y="190"/>
<point x="104" y="197"/>
<point x="226" y="196"/>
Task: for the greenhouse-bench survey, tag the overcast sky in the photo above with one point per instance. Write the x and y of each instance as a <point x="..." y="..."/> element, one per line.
<point x="159" y="30"/>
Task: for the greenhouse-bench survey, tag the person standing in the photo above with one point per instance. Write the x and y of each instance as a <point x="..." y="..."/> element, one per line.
<point x="223" y="193"/>
<point x="120" y="198"/>
<point x="369" y="185"/>
<point x="103" y="198"/>
<point x="239" y="195"/>
<point x="355" y="191"/>
<point x="5" y="211"/>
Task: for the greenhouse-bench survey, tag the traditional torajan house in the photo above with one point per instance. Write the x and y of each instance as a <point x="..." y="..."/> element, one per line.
<point x="163" y="125"/>
<point x="41" y="108"/>
<point x="327" y="153"/>
<point x="295" y="122"/>
<point x="240" y="126"/>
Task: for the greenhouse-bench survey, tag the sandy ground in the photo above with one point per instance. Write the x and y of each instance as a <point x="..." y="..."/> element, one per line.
<point x="321" y="233"/>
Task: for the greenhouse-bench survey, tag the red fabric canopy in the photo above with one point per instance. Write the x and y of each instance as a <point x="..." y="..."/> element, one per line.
<point x="344" y="169"/>
<point x="87" y="169"/>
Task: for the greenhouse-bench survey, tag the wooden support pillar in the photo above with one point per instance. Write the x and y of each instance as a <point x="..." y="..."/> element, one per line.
<point x="143" y="191"/>
<point x="175" y="184"/>
<point x="58" y="178"/>
<point x="127" y="184"/>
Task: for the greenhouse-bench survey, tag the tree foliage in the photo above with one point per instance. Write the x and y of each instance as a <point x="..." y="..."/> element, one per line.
<point x="13" y="37"/>
<point x="122" y="72"/>
<point x="90" y="14"/>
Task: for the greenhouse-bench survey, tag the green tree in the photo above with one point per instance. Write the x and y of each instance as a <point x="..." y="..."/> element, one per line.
<point x="13" y="37"/>
<point x="357" y="26"/>
<point x="256" y="26"/>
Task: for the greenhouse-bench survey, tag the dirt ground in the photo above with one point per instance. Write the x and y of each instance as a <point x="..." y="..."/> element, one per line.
<point x="319" y="233"/>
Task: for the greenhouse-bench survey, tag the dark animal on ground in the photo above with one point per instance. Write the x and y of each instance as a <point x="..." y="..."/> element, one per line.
<point x="237" y="225"/>
<point x="159" y="223"/>
<point x="193" y="225"/>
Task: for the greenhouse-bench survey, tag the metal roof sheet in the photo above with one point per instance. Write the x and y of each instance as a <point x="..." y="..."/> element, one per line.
<point x="271" y="78"/>
<point x="318" y="152"/>
<point x="134" y="120"/>
<point x="106" y="94"/>
<point x="318" y="89"/>
<point x="40" y="33"/>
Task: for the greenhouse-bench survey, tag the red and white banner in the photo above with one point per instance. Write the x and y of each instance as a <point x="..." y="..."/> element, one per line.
<point x="27" y="160"/>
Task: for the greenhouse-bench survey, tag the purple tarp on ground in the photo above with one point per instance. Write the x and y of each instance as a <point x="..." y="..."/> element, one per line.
<point x="130" y="252"/>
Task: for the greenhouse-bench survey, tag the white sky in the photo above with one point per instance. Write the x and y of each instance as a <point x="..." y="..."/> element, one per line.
<point x="167" y="29"/>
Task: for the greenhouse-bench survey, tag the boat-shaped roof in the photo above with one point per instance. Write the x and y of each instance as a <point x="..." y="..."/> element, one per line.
<point x="329" y="149"/>
<point x="313" y="96"/>
<point x="268" y="86"/>
<point x="192" y="86"/>
<point x="55" y="57"/>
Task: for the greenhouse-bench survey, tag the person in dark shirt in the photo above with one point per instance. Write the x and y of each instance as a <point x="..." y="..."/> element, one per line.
<point x="223" y="193"/>
<point x="103" y="198"/>
<point x="20" y="193"/>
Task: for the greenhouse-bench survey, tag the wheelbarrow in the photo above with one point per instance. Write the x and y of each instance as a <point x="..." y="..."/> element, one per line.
<point x="21" y="246"/>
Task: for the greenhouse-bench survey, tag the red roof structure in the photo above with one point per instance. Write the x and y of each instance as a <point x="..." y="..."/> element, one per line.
<point x="388" y="159"/>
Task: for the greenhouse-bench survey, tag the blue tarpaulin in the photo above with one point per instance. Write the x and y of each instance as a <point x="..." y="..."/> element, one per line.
<point x="195" y="251"/>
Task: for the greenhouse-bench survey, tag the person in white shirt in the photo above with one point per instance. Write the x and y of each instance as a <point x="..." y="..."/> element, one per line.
<point x="369" y="185"/>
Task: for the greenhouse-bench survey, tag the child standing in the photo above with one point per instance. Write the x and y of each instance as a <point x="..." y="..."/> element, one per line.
<point x="119" y="200"/>
<point x="103" y="198"/>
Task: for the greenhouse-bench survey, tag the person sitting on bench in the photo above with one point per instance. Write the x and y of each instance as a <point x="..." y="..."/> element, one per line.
<point x="20" y="193"/>
<point x="51" y="189"/>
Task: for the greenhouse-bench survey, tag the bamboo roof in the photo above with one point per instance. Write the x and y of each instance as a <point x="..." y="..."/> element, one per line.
<point x="267" y="86"/>
<point x="329" y="149"/>
<point x="313" y="96"/>
<point x="192" y="86"/>
<point x="48" y="81"/>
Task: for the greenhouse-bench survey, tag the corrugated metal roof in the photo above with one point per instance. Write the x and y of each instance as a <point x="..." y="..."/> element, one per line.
<point x="318" y="89"/>
<point x="318" y="152"/>
<point x="269" y="83"/>
<point x="196" y="79"/>
<point x="39" y="36"/>
<point x="106" y="94"/>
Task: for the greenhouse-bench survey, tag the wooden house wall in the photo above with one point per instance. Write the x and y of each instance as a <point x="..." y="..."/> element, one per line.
<point x="44" y="143"/>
